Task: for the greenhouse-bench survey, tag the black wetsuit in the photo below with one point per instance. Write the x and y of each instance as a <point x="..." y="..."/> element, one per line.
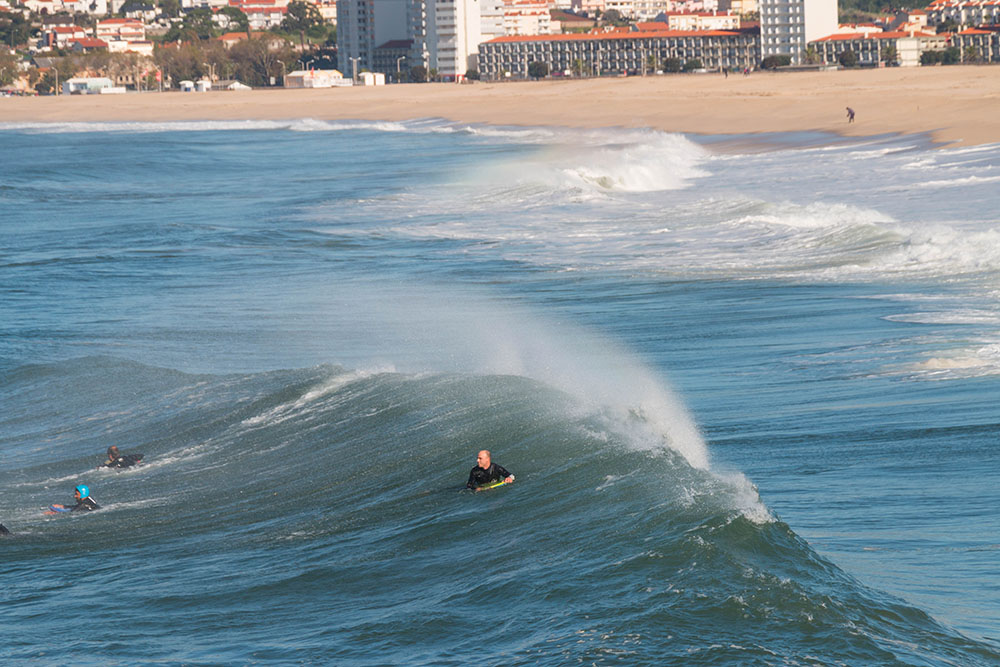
<point x="3" y="530"/>
<point x="123" y="461"/>
<point x="481" y="477"/>
<point x="84" y="505"/>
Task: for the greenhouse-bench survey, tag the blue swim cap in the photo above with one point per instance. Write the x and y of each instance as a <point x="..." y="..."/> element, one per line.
<point x="84" y="491"/>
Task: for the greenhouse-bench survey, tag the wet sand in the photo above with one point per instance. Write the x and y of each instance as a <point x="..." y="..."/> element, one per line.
<point x="952" y="105"/>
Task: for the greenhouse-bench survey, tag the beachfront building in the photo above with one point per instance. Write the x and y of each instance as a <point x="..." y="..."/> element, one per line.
<point x="786" y="26"/>
<point x="83" y="85"/>
<point x="392" y="58"/>
<point x="976" y="45"/>
<point x="315" y="78"/>
<point x="876" y="47"/>
<point x="617" y="52"/>
<point x="446" y="35"/>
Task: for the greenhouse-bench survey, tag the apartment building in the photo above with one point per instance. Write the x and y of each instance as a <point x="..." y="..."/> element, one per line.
<point x="446" y="35"/>
<point x="128" y="30"/>
<point x="984" y="12"/>
<point x="618" y="52"/>
<point x="786" y="26"/>
<point x="526" y="17"/>
<point x="870" y="47"/>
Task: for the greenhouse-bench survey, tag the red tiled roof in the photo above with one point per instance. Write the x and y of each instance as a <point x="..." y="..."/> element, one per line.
<point x="614" y="35"/>
<point x="90" y="43"/>
<point x="842" y="37"/>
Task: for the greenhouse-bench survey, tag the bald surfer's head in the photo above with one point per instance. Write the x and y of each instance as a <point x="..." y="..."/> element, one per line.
<point x="483" y="459"/>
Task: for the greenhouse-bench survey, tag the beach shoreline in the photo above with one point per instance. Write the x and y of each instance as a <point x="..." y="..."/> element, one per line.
<point x="951" y="105"/>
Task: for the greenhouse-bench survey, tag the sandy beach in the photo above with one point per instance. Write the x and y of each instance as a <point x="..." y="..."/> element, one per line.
<point x="953" y="105"/>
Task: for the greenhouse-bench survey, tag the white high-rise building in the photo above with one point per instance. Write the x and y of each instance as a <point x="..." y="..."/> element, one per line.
<point x="491" y="19"/>
<point x="446" y="35"/>
<point x="786" y="26"/>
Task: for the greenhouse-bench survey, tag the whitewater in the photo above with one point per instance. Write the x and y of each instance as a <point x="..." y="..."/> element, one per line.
<point x="747" y="385"/>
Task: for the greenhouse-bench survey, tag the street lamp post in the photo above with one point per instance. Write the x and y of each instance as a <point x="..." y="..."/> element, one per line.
<point x="211" y="71"/>
<point x="282" y="63"/>
<point x="56" y="69"/>
<point x="354" y="62"/>
<point x="398" y="72"/>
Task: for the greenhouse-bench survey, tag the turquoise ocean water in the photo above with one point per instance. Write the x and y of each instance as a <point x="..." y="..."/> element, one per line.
<point x="749" y="388"/>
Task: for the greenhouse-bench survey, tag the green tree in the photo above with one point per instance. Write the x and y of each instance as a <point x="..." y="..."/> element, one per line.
<point x="692" y="64"/>
<point x="578" y="67"/>
<point x="257" y="61"/>
<point x="14" y="29"/>
<point x="774" y="62"/>
<point x="951" y="56"/>
<point x="651" y="62"/>
<point x="612" y="16"/>
<point x="948" y="25"/>
<point x="304" y="18"/>
<point x="418" y="74"/>
<point x="537" y="70"/>
<point x="8" y="67"/>
<point x="47" y="84"/>
<point x="930" y="57"/>
<point x="889" y="55"/>
<point x="171" y="8"/>
<point x="971" y="55"/>
<point x="672" y="65"/>
<point x="238" y="21"/>
<point x="848" y="58"/>
<point x="812" y="56"/>
<point x="472" y="75"/>
<point x="197" y="24"/>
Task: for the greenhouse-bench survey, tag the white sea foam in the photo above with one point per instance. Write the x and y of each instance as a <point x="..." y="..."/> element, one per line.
<point x="285" y="411"/>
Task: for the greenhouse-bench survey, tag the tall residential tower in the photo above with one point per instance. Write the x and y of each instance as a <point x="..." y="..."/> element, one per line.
<point x="786" y="26"/>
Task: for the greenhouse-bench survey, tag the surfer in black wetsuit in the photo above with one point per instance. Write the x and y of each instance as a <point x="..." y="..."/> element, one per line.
<point x="84" y="503"/>
<point x="117" y="460"/>
<point x="487" y="472"/>
<point x="3" y="530"/>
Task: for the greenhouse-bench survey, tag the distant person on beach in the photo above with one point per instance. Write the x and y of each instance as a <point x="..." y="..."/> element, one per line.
<point x="486" y="472"/>
<point x="84" y="502"/>
<point x="117" y="460"/>
<point x="850" y="115"/>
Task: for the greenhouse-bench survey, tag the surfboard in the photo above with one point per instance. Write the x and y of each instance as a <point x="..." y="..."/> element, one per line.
<point x="491" y="486"/>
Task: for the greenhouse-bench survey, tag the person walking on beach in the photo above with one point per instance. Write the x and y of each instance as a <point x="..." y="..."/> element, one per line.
<point x="850" y="115"/>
